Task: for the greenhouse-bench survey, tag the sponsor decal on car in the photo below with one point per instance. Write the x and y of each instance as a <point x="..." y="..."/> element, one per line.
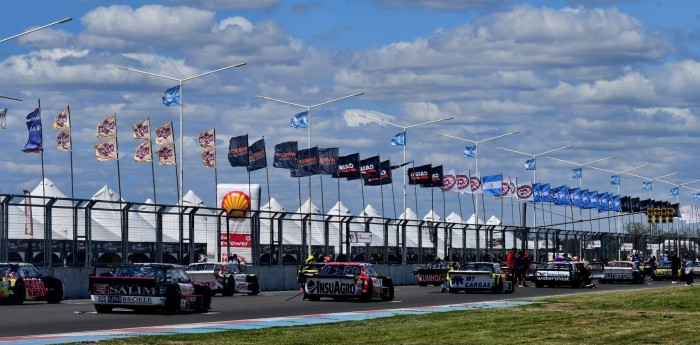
<point x="618" y="276"/>
<point x="331" y="287"/>
<point x="471" y="281"/>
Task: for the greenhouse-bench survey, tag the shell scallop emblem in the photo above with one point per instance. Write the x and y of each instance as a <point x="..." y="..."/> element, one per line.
<point x="236" y="204"/>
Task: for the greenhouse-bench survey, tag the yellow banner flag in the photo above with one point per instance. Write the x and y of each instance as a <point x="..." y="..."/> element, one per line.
<point x="63" y="139"/>
<point x="107" y="127"/>
<point x="142" y="153"/>
<point x="209" y="158"/>
<point x="207" y="138"/>
<point x="166" y="154"/>
<point x="62" y="120"/>
<point x="164" y="134"/>
<point x="142" y="130"/>
<point x="106" y="151"/>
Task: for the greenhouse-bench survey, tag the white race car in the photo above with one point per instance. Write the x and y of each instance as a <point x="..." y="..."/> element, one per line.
<point x="225" y="278"/>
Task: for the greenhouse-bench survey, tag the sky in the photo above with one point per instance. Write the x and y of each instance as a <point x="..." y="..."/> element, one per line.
<point x="610" y="78"/>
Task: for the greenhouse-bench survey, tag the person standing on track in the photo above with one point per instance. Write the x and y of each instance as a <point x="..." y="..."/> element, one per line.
<point x="675" y="267"/>
<point x="688" y="270"/>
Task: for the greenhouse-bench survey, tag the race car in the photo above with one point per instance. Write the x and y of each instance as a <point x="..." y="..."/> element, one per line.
<point x="432" y="274"/>
<point x="572" y="273"/>
<point x="696" y="268"/>
<point x="622" y="271"/>
<point x="22" y="282"/>
<point x="479" y="276"/>
<point x="149" y="286"/>
<point x="663" y="271"/>
<point x="341" y="280"/>
<point x="225" y="278"/>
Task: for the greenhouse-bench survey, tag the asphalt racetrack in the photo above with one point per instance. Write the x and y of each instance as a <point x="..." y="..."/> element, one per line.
<point x="35" y="318"/>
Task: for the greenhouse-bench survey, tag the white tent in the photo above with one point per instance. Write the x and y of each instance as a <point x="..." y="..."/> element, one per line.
<point x="268" y="226"/>
<point x="107" y="216"/>
<point x="376" y="226"/>
<point x="335" y="237"/>
<point x="411" y="227"/>
<point x="431" y="216"/>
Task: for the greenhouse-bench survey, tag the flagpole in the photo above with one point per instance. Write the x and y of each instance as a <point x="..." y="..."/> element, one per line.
<point x="43" y="178"/>
<point x="70" y="140"/>
<point x="267" y="177"/>
<point x="153" y="170"/>
<point x="119" y="174"/>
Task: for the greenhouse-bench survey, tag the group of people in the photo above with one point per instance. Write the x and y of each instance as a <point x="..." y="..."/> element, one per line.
<point x="519" y="263"/>
<point x="681" y="269"/>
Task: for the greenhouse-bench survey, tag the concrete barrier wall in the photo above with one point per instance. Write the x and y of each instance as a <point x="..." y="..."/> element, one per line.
<point x="272" y="278"/>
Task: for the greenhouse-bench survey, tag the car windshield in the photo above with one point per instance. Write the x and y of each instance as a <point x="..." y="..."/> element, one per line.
<point x="620" y="264"/>
<point x="476" y="267"/>
<point x="557" y="266"/>
<point x="664" y="264"/>
<point x="139" y="271"/>
<point x="203" y="267"/>
<point x="5" y="270"/>
<point x="340" y="270"/>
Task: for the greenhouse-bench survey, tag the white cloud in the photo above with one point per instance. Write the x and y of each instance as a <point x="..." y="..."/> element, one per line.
<point x="228" y="4"/>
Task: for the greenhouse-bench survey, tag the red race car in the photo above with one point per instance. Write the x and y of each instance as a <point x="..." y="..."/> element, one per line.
<point x="340" y="280"/>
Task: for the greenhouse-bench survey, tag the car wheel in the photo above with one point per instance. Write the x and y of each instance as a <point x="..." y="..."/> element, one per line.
<point x="311" y="297"/>
<point x="19" y="292"/>
<point x="367" y="296"/>
<point x="388" y="291"/>
<point x="538" y="284"/>
<point x="172" y="299"/>
<point x="229" y="287"/>
<point x="103" y="309"/>
<point x="253" y="285"/>
<point x="206" y="293"/>
<point x="55" y="293"/>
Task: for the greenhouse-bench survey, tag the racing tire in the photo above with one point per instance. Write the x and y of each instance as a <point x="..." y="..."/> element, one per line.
<point x="253" y="285"/>
<point x="55" y="293"/>
<point x="422" y="284"/>
<point x="18" y="292"/>
<point x="103" y="309"/>
<point x="367" y="296"/>
<point x="497" y="288"/>
<point x="205" y="304"/>
<point x="453" y="290"/>
<point x="311" y="297"/>
<point x="538" y="284"/>
<point x="172" y="300"/>
<point x="388" y="291"/>
<point x="230" y="287"/>
<point x="603" y="281"/>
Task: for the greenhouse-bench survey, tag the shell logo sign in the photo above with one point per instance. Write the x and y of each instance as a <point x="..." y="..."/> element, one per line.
<point x="236" y="204"/>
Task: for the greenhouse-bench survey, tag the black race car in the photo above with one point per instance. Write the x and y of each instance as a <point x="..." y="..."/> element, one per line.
<point x="433" y="273"/>
<point x="571" y="273"/>
<point x="149" y="286"/>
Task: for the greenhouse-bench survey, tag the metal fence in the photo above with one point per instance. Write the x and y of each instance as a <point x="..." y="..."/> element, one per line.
<point x="74" y="232"/>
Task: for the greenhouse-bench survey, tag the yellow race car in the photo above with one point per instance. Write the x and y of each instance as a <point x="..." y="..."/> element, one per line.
<point x="663" y="271"/>
<point x="21" y="282"/>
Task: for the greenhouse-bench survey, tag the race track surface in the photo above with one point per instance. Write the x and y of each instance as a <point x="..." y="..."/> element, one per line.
<point x="37" y="318"/>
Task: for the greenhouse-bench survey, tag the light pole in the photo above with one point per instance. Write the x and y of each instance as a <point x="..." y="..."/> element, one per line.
<point x="534" y="170"/>
<point x="308" y="133"/>
<point x="476" y="157"/>
<point x="404" y="128"/>
<point x="181" y="81"/>
<point x="64" y="20"/>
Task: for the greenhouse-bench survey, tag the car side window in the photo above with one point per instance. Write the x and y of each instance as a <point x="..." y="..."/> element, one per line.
<point x="28" y="272"/>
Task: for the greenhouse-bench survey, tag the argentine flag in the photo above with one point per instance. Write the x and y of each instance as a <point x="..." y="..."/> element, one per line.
<point x="492" y="184"/>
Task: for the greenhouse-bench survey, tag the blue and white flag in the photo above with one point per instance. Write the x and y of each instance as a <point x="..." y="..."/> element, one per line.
<point x="492" y="184"/>
<point x="615" y="179"/>
<point x="530" y="164"/>
<point x="696" y="196"/>
<point x="603" y="202"/>
<point x="34" y="144"/>
<point x="470" y="152"/>
<point x="585" y="199"/>
<point x="576" y="173"/>
<point x="545" y="193"/>
<point x="536" y="192"/>
<point x="562" y="196"/>
<point x="674" y="191"/>
<point x="300" y="120"/>
<point x="399" y="139"/>
<point x="575" y="196"/>
<point x="646" y="185"/>
<point x="172" y="96"/>
<point x="617" y="204"/>
<point x="593" y="199"/>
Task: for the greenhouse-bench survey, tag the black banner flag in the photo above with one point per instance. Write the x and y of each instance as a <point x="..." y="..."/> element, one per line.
<point x="384" y="175"/>
<point x="307" y="163"/>
<point x="435" y="178"/>
<point x="285" y="155"/>
<point x="419" y="175"/>
<point x="369" y="168"/>
<point x="238" y="151"/>
<point x="348" y="167"/>
<point x="328" y="160"/>
<point x="257" y="158"/>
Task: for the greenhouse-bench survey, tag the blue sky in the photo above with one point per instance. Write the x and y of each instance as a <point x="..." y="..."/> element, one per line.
<point x="608" y="77"/>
